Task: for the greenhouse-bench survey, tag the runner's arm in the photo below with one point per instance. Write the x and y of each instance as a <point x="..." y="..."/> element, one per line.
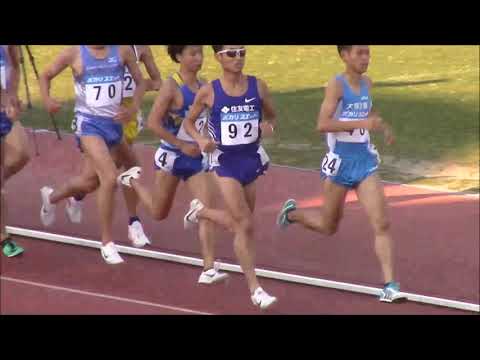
<point x="155" y="81"/>
<point x="61" y="62"/>
<point x="326" y="121"/>
<point x="159" y="112"/>
<point x="268" y="109"/>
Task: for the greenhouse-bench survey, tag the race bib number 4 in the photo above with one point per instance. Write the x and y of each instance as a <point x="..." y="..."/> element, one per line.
<point x="331" y="164"/>
<point x="239" y="128"/>
<point x="164" y="159"/>
<point x="104" y="94"/>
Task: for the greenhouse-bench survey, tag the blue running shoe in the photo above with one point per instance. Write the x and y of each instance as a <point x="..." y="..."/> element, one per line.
<point x="282" y="219"/>
<point x="391" y="292"/>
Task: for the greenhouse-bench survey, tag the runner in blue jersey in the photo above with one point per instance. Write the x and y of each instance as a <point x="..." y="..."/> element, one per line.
<point x="179" y="157"/>
<point x="98" y="72"/>
<point x="347" y="116"/>
<point x="239" y="107"/>
<point x="14" y="153"/>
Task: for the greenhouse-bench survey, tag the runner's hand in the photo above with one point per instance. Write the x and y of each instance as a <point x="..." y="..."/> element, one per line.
<point x="13" y="108"/>
<point x="267" y="129"/>
<point x="191" y="150"/>
<point x="125" y="114"/>
<point x="53" y="106"/>
<point x="207" y="145"/>
<point x="388" y="134"/>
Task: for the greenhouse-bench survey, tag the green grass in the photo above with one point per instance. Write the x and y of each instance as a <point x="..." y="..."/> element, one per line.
<point x="430" y="94"/>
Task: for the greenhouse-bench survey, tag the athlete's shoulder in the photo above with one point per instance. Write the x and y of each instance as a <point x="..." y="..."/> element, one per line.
<point x="144" y="52"/>
<point x="70" y="53"/>
<point x="262" y="87"/>
<point x="170" y="85"/>
<point x="206" y="88"/>
<point x="335" y="85"/>
<point x="205" y="94"/>
<point x="368" y="80"/>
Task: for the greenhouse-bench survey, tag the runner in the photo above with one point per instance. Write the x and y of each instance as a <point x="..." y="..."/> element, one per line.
<point x="178" y="157"/>
<point x="127" y="156"/>
<point x="346" y="116"/>
<point x="14" y="153"/>
<point x="238" y="105"/>
<point x="98" y="72"/>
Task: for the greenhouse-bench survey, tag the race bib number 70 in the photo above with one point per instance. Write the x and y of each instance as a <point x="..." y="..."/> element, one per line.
<point x="331" y="164"/>
<point x="104" y="94"/>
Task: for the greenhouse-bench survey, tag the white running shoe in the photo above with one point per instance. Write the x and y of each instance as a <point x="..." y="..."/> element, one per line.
<point x="132" y="173"/>
<point x="212" y="276"/>
<point x="47" y="212"/>
<point x="74" y="210"/>
<point x="261" y="299"/>
<point x="110" y="254"/>
<point x="190" y="217"/>
<point x="136" y="235"/>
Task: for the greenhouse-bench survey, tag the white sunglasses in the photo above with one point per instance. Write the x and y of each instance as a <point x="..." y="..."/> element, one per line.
<point x="234" y="52"/>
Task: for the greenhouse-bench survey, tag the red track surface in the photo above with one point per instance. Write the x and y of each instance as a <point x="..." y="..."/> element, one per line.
<point x="436" y="234"/>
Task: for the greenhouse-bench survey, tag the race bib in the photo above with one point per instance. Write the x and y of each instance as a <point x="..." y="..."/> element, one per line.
<point x="354" y="136"/>
<point x="128" y="84"/>
<point x="239" y="128"/>
<point x="164" y="159"/>
<point x="264" y="158"/>
<point x="3" y="77"/>
<point x="331" y="164"/>
<point x="77" y="125"/>
<point x="104" y="94"/>
<point x="199" y="125"/>
<point x="373" y="150"/>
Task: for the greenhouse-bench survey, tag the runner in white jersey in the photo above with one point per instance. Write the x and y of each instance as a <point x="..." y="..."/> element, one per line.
<point x="98" y="72"/>
<point x="346" y="116"/>
<point x="126" y="154"/>
<point x="14" y="153"/>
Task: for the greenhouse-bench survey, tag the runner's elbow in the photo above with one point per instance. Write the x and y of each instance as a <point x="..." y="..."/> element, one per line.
<point x="322" y="127"/>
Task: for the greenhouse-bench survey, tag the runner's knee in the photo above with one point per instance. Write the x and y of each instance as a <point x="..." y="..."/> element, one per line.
<point x="381" y="225"/>
<point x="244" y="225"/>
<point x="18" y="162"/>
<point x="108" y="180"/>
<point x="91" y="184"/>
<point x="160" y="213"/>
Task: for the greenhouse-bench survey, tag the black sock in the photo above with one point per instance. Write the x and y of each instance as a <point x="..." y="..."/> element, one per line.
<point x="133" y="219"/>
<point x="79" y="197"/>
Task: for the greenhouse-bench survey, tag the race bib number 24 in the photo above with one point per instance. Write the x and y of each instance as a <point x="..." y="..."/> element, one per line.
<point x="331" y="164"/>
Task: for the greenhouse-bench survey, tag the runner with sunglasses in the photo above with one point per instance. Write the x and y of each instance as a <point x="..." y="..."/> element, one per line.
<point x="238" y="104"/>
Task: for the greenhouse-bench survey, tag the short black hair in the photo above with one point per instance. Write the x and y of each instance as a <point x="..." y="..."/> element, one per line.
<point x="217" y="48"/>
<point x="174" y="50"/>
<point x="340" y="48"/>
